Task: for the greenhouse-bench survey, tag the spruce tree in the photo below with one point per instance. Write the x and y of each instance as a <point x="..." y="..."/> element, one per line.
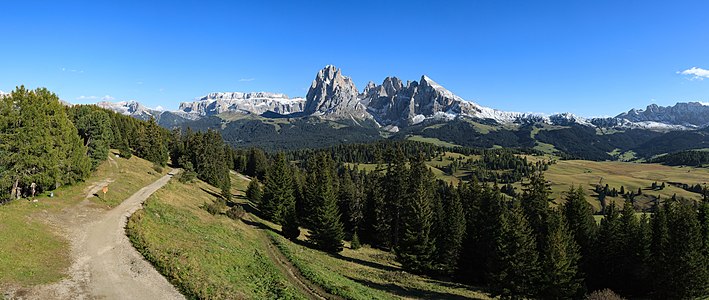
<point x="417" y="244"/>
<point x="451" y="230"/>
<point x="290" y="222"/>
<point x="535" y="203"/>
<point x="686" y="265"/>
<point x="379" y="220"/>
<point x="327" y="230"/>
<point x="277" y="190"/>
<point x="395" y="186"/>
<point x="560" y="278"/>
<point x="579" y="218"/>
<point x="514" y="270"/>
<point x="253" y="191"/>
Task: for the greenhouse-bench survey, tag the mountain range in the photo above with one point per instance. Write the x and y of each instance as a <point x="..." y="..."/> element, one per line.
<point x="394" y="109"/>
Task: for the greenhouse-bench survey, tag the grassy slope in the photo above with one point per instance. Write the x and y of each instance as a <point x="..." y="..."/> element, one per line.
<point x="205" y="256"/>
<point x="631" y="175"/>
<point x="368" y="273"/>
<point x="34" y="252"/>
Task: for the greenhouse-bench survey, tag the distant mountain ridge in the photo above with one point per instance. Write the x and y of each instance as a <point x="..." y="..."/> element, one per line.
<point x="393" y="104"/>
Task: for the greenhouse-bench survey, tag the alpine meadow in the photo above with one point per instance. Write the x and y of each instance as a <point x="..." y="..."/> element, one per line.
<point x="579" y="170"/>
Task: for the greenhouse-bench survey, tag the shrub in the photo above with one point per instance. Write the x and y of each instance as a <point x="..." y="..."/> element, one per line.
<point x="187" y="176"/>
<point x="235" y="212"/>
<point x="605" y="294"/>
<point x="355" y="242"/>
<point x="215" y="207"/>
<point x="157" y="168"/>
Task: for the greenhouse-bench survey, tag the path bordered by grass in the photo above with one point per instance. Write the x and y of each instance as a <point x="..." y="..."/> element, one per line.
<point x="33" y="251"/>
<point x="205" y="256"/>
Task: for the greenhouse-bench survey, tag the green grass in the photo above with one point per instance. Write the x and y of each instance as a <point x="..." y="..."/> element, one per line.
<point x="368" y="273"/>
<point x="205" y="256"/>
<point x="630" y="175"/>
<point x="32" y="248"/>
<point x="434" y="141"/>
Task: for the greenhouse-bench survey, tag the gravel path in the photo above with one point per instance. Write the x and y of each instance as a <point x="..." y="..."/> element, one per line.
<point x="105" y="264"/>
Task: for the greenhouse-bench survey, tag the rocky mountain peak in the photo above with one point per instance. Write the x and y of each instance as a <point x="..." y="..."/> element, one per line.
<point x="334" y="96"/>
<point x="690" y="114"/>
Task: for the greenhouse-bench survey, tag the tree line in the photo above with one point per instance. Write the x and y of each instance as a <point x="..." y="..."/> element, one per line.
<point x="526" y="246"/>
<point x="45" y="144"/>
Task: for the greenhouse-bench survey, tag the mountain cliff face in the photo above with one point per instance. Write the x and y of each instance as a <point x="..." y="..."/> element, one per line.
<point x="256" y="103"/>
<point x="393" y="104"/>
<point x="691" y="115"/>
<point x="130" y="108"/>
<point x="334" y="96"/>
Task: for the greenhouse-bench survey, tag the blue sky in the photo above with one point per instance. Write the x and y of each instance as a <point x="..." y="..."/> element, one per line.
<point x="592" y="58"/>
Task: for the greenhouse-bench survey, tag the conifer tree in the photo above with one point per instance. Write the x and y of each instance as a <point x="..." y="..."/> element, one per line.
<point x="417" y="244"/>
<point x="253" y="191"/>
<point x="94" y="126"/>
<point x="379" y="219"/>
<point x="514" y="273"/>
<point x="560" y="276"/>
<point x="395" y="187"/>
<point x="579" y="218"/>
<point x="686" y="265"/>
<point x="659" y="247"/>
<point x="290" y="222"/>
<point x="535" y="203"/>
<point x="451" y="229"/>
<point x="278" y="190"/>
<point x="327" y="230"/>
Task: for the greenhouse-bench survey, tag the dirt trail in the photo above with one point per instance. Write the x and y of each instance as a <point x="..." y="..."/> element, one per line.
<point x="105" y="264"/>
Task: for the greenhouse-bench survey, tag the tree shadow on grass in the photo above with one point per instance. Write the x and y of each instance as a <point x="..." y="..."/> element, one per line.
<point x="365" y="263"/>
<point x="408" y="292"/>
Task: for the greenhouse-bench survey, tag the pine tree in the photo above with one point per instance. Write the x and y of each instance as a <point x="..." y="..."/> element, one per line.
<point x="257" y="163"/>
<point x="278" y="190"/>
<point x="417" y="244"/>
<point x="560" y="276"/>
<point x="514" y="273"/>
<point x="379" y="220"/>
<point x="327" y="230"/>
<point x="451" y="230"/>
<point x="355" y="244"/>
<point x="254" y="192"/>
<point x="686" y="265"/>
<point x="395" y="186"/>
<point x="290" y="221"/>
<point x="535" y="203"/>
<point x="94" y="126"/>
<point x="659" y="248"/>
<point x="579" y="218"/>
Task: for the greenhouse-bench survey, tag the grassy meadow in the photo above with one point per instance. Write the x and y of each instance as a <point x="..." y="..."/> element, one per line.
<point x="33" y="248"/>
<point x="204" y="255"/>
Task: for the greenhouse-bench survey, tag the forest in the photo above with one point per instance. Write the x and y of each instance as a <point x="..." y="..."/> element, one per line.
<point x="521" y="246"/>
<point x="516" y="245"/>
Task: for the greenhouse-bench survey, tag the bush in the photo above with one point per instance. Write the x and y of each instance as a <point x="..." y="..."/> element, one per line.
<point x="235" y="212"/>
<point x="125" y="153"/>
<point x="157" y="168"/>
<point x="605" y="294"/>
<point x="215" y="207"/>
<point x="187" y="176"/>
<point x="354" y="245"/>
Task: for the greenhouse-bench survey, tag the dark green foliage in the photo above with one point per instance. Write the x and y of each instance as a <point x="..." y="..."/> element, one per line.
<point x="378" y="225"/>
<point x="278" y="190"/>
<point x="395" y="190"/>
<point x="560" y="276"/>
<point x="686" y="264"/>
<point x="355" y="244"/>
<point x="215" y="207"/>
<point x="579" y="216"/>
<point x="38" y="145"/>
<point x="151" y="144"/>
<point x="327" y="230"/>
<point x="254" y="192"/>
<point x="535" y="203"/>
<point x="515" y="270"/>
<point x="235" y="212"/>
<point x="95" y="128"/>
<point x="205" y="154"/>
<point x="684" y="158"/>
<point x="257" y="163"/>
<point x="290" y="222"/>
<point x="450" y="229"/>
<point x="417" y="244"/>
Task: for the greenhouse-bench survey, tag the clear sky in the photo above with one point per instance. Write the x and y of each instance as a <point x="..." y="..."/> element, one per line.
<point x="592" y="58"/>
